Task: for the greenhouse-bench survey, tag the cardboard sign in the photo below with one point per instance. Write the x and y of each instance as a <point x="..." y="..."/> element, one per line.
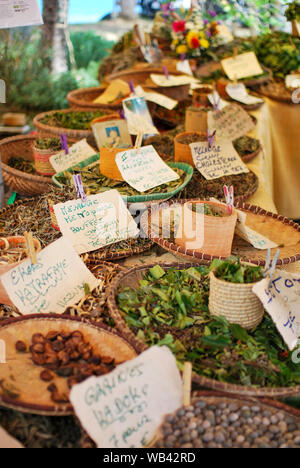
<point x="102" y="220"/>
<point x="183" y="66"/>
<point x="162" y="80"/>
<point x="14" y="14"/>
<point x="56" y="282"/>
<point x="112" y="134"/>
<point x="157" y="98"/>
<point x="242" y="66"/>
<point x="118" y="89"/>
<point x="254" y="238"/>
<point x="124" y="408"/>
<point x="77" y="153"/>
<point x="292" y="81"/>
<point x="143" y="169"/>
<point x="230" y="123"/>
<point x="281" y="299"/>
<point x="218" y="161"/>
<point x="239" y="93"/>
<point x="138" y="116"/>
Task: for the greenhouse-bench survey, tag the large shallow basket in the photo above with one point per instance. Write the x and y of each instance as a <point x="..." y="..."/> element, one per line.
<point x="72" y="135"/>
<point x="18" y="181"/>
<point x="83" y="99"/>
<point x="131" y="278"/>
<point x="277" y="228"/>
<point x="33" y="395"/>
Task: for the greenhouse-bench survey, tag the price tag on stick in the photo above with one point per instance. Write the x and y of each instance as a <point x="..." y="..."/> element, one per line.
<point x="124" y="409"/>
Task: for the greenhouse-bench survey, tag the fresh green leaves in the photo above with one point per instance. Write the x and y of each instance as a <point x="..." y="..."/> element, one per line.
<point x="233" y="271"/>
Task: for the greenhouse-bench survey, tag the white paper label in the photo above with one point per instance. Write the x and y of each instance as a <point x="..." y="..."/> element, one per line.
<point x="163" y="81"/>
<point x="143" y="169"/>
<point x="230" y="123"/>
<point x="254" y="238"/>
<point x="242" y="66"/>
<point x="77" y="153"/>
<point x="292" y="81"/>
<point x="215" y="98"/>
<point x="281" y="299"/>
<point x="138" y="116"/>
<point x="14" y="14"/>
<point x="124" y="408"/>
<point x="159" y="99"/>
<point x="218" y="161"/>
<point x="239" y="93"/>
<point x="183" y="66"/>
<point x="102" y="220"/>
<point x="56" y="282"/>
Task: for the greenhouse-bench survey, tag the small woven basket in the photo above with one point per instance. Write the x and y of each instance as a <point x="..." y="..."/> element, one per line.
<point x="183" y="152"/>
<point x="236" y="302"/>
<point x="42" y="162"/>
<point x="54" y="221"/>
<point x="84" y="98"/>
<point x="108" y="165"/>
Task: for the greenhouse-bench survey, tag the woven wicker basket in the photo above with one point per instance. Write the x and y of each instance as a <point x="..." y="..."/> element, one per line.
<point x="18" y="181"/>
<point x="130" y="278"/>
<point x="84" y="98"/>
<point x="140" y="77"/>
<point x="236" y="302"/>
<point x="72" y="135"/>
<point x="108" y="165"/>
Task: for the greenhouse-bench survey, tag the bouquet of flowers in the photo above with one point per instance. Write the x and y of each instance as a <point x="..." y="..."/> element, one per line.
<point x="191" y="34"/>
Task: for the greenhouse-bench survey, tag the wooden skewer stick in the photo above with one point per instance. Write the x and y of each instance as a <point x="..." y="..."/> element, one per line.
<point x="31" y="253"/>
<point x="187" y="383"/>
<point x="138" y="142"/>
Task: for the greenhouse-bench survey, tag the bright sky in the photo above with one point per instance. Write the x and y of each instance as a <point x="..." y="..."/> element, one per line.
<point x="90" y="11"/>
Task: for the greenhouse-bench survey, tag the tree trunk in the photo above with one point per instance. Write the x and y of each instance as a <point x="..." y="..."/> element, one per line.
<point x="128" y="9"/>
<point x="56" y="34"/>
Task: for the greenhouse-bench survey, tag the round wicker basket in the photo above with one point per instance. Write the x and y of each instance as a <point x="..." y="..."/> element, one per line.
<point x="18" y="181"/>
<point x="83" y="99"/>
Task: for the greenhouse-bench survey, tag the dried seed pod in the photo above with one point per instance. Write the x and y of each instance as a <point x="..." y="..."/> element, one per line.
<point x="64" y="371"/>
<point x="58" y="397"/>
<point x="75" y="356"/>
<point x="38" y="359"/>
<point x="57" y="346"/>
<point x="51" y="335"/>
<point x="46" y="376"/>
<point x="86" y="356"/>
<point x="37" y="338"/>
<point x="38" y="348"/>
<point x="21" y="347"/>
<point x="64" y="357"/>
<point x="65" y="335"/>
<point x="77" y="333"/>
<point x="52" y="387"/>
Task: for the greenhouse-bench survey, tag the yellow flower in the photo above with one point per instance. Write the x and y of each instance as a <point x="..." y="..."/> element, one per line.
<point x="191" y="39"/>
<point x="175" y="42"/>
<point x="181" y="49"/>
<point x="204" y="43"/>
<point x="202" y="35"/>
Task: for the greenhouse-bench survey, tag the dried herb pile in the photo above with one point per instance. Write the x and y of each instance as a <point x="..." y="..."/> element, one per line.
<point x="53" y="144"/>
<point x="94" y="182"/>
<point x="171" y="308"/>
<point x="74" y="120"/>
<point x="22" y="164"/>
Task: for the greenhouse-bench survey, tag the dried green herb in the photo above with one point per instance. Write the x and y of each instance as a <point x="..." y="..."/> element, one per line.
<point x="171" y="308"/>
<point x="205" y="209"/>
<point x="22" y="164"/>
<point x="53" y="144"/>
<point x="246" y="145"/>
<point x="75" y="120"/>
<point x="94" y="182"/>
<point x="233" y="271"/>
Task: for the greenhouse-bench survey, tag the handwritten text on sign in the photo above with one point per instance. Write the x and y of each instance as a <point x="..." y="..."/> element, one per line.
<point x="242" y="66"/>
<point x="102" y="220"/>
<point x="253" y="237"/>
<point x="143" y="169"/>
<point x="56" y="282"/>
<point x="281" y="299"/>
<point x="124" y="409"/>
<point x="231" y="123"/>
<point x="77" y="153"/>
<point x="218" y="161"/>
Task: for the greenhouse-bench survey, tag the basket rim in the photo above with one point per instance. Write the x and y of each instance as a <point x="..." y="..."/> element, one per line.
<point x="115" y="76"/>
<point x="242" y="390"/>
<point x="16" y="172"/>
<point x="69" y="131"/>
<point x="242" y="285"/>
<point x="170" y="246"/>
<point x="54" y="410"/>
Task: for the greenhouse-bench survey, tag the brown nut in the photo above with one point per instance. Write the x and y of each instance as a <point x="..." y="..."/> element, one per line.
<point x="38" y="348"/>
<point x="57" y="346"/>
<point x="46" y="376"/>
<point x="64" y="371"/>
<point x="38" y="359"/>
<point x="52" y="387"/>
<point x="77" y="333"/>
<point x="58" y="397"/>
<point x="51" y="335"/>
<point x="37" y="338"/>
<point x="65" y="335"/>
<point x="21" y="347"/>
<point x="64" y="357"/>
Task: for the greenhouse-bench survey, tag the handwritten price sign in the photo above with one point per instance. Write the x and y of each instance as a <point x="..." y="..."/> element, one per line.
<point x="281" y="299"/>
<point x="124" y="408"/>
